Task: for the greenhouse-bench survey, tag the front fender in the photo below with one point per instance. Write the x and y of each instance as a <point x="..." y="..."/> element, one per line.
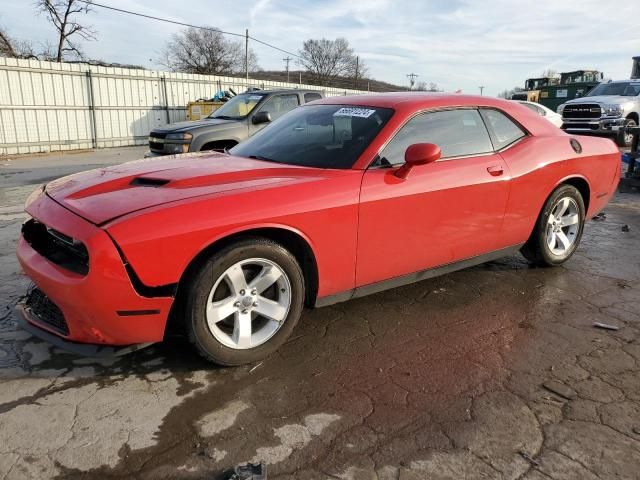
<point x="235" y="134"/>
<point x="247" y="229"/>
<point x="160" y="242"/>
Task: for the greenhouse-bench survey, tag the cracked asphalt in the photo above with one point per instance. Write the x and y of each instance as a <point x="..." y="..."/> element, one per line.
<point x="494" y="372"/>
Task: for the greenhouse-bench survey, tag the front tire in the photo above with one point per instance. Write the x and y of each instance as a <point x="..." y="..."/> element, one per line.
<point x="244" y="302"/>
<point x="558" y="229"/>
<point x="624" y="139"/>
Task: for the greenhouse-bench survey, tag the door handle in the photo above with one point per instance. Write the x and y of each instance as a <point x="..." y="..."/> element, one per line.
<point x="495" y="170"/>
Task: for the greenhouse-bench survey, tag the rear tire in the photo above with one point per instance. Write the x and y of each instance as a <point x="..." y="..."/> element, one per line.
<point x="244" y="302"/>
<point x="623" y="139"/>
<point x="558" y="229"/>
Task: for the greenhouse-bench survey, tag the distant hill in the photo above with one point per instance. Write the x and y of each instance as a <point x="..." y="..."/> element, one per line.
<point x="294" y="76"/>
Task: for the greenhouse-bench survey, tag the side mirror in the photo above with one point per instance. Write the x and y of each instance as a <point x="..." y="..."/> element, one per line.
<point x="261" y="117"/>
<point x="418" y="154"/>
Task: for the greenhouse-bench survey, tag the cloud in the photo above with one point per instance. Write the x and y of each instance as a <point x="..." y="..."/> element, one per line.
<point x="455" y="43"/>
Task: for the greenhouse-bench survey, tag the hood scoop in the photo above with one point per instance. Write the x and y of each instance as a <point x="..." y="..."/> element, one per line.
<point x="148" y="182"/>
<point x="107" y="193"/>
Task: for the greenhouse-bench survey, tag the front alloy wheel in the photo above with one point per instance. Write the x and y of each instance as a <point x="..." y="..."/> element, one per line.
<point x="244" y="302"/>
<point x="248" y="303"/>
<point x="624" y="138"/>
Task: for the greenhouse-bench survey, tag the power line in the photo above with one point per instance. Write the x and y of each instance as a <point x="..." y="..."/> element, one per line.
<point x="273" y="46"/>
<point x="166" y="20"/>
<point x="175" y="22"/>
<point x="246" y="35"/>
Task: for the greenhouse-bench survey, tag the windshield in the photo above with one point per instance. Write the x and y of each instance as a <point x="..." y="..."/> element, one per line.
<point x="625" y="89"/>
<point x="238" y="107"/>
<point x="322" y="136"/>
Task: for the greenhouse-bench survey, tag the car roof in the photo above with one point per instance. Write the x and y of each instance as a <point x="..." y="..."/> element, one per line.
<point x="408" y="103"/>
<point x="417" y="100"/>
<point x="421" y="99"/>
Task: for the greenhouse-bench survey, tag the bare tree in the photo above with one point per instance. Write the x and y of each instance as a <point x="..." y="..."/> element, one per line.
<point x="201" y="51"/>
<point x="508" y="93"/>
<point x="62" y="14"/>
<point x="15" y="48"/>
<point x="6" y="45"/>
<point x="48" y="52"/>
<point x="549" y="73"/>
<point x="327" y="60"/>
<point x="428" y="87"/>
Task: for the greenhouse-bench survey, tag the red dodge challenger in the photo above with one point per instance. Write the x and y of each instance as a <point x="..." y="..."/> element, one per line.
<point x="339" y="198"/>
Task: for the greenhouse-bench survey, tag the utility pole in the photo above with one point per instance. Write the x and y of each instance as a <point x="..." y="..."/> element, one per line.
<point x="412" y="79"/>
<point x="481" y="87"/>
<point x="355" y="80"/>
<point x="246" y="56"/>
<point x="288" y="59"/>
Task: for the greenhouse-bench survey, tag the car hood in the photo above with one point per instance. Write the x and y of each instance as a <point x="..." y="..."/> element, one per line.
<point x="187" y="126"/>
<point x="604" y="100"/>
<point x="105" y="194"/>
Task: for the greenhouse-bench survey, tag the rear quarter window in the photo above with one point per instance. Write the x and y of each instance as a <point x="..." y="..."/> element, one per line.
<point x="310" y="97"/>
<point x="502" y="129"/>
<point x="536" y="109"/>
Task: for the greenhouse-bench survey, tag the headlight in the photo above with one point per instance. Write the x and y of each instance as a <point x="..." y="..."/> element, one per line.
<point x="560" y="108"/>
<point x="176" y="148"/>
<point x="186" y="137"/>
<point x="33" y="196"/>
<point x="613" y="110"/>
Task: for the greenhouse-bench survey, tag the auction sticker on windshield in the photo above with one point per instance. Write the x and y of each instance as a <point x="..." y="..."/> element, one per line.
<point x="354" y="112"/>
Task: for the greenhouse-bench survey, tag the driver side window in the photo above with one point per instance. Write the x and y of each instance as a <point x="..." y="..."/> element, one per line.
<point x="278" y="105"/>
<point x="457" y="133"/>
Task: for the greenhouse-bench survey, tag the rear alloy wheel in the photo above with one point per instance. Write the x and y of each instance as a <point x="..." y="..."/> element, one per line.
<point x="563" y="224"/>
<point x="245" y="302"/>
<point x="558" y="229"/>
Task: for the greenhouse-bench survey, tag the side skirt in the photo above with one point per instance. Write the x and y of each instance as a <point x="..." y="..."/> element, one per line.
<point x="415" y="277"/>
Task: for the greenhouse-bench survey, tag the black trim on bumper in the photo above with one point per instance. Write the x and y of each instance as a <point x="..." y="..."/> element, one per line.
<point x="84" y="349"/>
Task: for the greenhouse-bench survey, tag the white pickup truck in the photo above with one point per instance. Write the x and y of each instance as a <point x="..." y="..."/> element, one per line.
<point x="604" y="110"/>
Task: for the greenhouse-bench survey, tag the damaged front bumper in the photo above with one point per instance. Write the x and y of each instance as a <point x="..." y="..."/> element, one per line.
<point x="27" y="320"/>
<point x="99" y="307"/>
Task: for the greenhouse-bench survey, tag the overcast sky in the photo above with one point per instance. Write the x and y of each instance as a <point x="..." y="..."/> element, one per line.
<point x="458" y="44"/>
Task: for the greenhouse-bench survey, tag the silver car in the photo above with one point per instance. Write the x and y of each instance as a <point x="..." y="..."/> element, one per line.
<point x="238" y="119"/>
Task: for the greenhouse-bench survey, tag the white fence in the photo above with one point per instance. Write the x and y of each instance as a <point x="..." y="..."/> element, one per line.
<point x="47" y="106"/>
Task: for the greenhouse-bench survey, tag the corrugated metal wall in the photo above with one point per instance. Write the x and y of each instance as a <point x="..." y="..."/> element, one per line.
<point x="47" y="106"/>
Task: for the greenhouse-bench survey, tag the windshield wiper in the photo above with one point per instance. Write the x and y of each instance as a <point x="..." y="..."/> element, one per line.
<point x="264" y="159"/>
<point x="225" y="117"/>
